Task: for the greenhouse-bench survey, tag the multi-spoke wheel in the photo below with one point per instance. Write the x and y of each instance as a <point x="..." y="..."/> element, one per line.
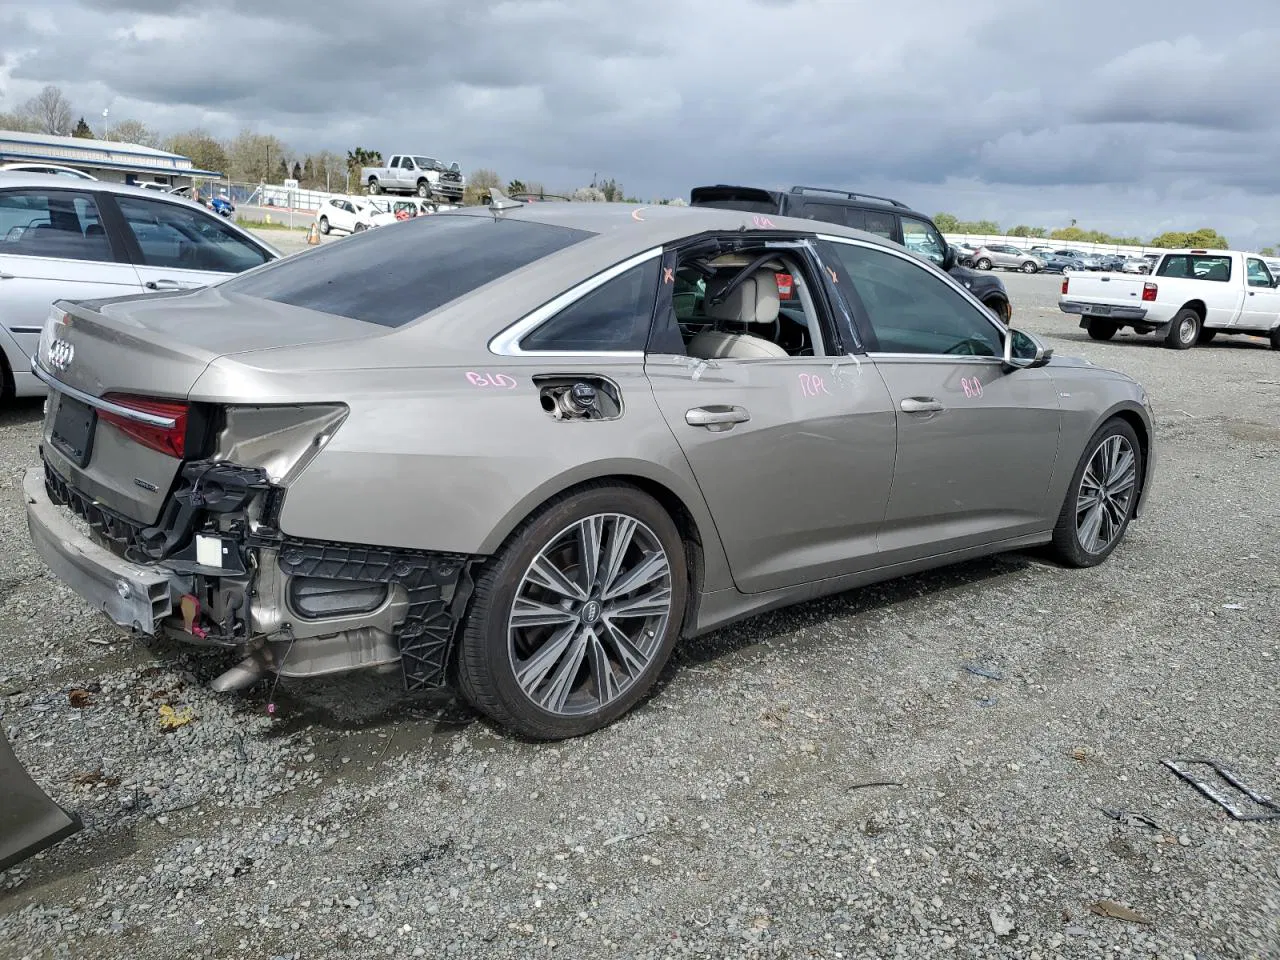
<point x="573" y="620"/>
<point x="1102" y="497"/>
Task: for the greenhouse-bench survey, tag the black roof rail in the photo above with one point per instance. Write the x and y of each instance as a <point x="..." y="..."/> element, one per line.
<point x="849" y="195"/>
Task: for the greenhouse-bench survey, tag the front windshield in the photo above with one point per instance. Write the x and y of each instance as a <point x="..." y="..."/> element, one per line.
<point x="426" y="163"/>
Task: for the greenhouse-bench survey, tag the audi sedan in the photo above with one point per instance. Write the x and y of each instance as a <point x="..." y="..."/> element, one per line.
<point x="494" y="448"/>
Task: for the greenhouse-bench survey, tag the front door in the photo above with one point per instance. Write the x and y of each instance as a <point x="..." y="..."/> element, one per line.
<point x="1262" y="300"/>
<point x="177" y="247"/>
<point x="793" y="451"/>
<point x="977" y="445"/>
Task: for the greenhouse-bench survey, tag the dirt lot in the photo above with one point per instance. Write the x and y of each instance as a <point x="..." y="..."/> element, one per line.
<point x="739" y="813"/>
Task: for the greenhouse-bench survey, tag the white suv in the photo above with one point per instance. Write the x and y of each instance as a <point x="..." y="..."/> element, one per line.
<point x="344" y="214"/>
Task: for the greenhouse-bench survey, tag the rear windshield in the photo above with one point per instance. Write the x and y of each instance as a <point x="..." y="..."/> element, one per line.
<point x="750" y="201"/>
<point x="393" y="274"/>
<point x="1195" y="266"/>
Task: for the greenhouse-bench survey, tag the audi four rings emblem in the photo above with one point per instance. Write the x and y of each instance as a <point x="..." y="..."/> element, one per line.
<point x="60" y="354"/>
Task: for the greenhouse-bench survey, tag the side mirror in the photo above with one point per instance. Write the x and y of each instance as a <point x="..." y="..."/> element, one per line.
<point x="1023" y="351"/>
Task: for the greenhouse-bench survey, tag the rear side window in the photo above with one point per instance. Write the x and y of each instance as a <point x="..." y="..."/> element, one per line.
<point x="179" y="237"/>
<point x="1196" y="267"/>
<point x="60" y="224"/>
<point x="613" y="316"/>
<point x="392" y="275"/>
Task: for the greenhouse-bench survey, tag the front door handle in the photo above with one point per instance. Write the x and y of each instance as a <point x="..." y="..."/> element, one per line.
<point x="7" y="276"/>
<point x="163" y="285"/>
<point x="716" y="416"/>
<point x="920" y="405"/>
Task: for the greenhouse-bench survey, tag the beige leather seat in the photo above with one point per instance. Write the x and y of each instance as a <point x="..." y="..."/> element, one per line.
<point x="754" y="301"/>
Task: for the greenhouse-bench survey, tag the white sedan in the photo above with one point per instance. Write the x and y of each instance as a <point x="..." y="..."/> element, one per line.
<point x="345" y="215"/>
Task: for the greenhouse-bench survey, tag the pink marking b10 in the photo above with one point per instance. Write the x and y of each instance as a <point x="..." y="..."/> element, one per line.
<point x="500" y="380"/>
<point x="972" y="386"/>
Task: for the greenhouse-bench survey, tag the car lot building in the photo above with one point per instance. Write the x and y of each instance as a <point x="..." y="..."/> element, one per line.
<point x="108" y="160"/>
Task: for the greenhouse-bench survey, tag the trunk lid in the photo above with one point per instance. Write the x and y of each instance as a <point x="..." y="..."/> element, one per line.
<point x="154" y="347"/>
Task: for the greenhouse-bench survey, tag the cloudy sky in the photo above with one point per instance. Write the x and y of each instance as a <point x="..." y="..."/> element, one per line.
<point x="1131" y="116"/>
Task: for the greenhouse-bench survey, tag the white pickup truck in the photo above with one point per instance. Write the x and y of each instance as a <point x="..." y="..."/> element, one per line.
<point x="410" y="173"/>
<point x="1190" y="297"/>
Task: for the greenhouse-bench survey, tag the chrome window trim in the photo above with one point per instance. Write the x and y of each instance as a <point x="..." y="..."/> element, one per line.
<point x="978" y="305"/>
<point x="151" y="419"/>
<point x="507" y="342"/>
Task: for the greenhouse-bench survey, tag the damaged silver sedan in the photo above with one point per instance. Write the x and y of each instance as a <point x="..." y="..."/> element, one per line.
<point x="525" y="449"/>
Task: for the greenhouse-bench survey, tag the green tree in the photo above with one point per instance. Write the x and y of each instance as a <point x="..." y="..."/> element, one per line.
<point x="1021" y="230"/>
<point x="946" y="222"/>
<point x="516" y="186"/>
<point x="200" y="147"/>
<point x="18" y="122"/>
<point x="296" y="172"/>
<point x="82" y="130"/>
<point x="988" y="228"/>
<point x="255" y="157"/>
<point x="1206" y="238"/>
<point x="1268" y="251"/>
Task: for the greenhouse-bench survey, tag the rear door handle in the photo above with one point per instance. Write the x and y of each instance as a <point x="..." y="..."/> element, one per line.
<point x="716" y="416"/>
<point x="920" y="405"/>
<point x="163" y="285"/>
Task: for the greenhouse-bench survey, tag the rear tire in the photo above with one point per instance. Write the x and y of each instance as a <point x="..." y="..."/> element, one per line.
<point x="1099" y="506"/>
<point x="374" y="187"/>
<point x="1102" y="329"/>
<point x="1275" y="339"/>
<point x="1206" y="336"/>
<point x="1184" y="330"/>
<point x="584" y="683"/>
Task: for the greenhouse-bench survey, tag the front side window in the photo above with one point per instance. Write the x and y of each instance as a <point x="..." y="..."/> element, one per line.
<point x="1259" y="275"/>
<point x="175" y="236"/>
<point x="879" y="222"/>
<point x="61" y="224"/>
<point x="390" y="277"/>
<point x="1196" y="266"/>
<point x="613" y="316"/>
<point x="911" y="310"/>
<point x="923" y="238"/>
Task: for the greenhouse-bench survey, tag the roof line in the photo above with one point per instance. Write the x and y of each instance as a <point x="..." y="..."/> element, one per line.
<point x="8" y="156"/>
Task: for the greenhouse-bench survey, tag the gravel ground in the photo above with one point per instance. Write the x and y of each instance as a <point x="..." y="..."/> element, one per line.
<point x="741" y="812"/>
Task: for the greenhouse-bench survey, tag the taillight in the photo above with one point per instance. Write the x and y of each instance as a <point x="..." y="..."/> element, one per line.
<point x="171" y="441"/>
<point x="1149" y="292"/>
<point x="1065" y="281"/>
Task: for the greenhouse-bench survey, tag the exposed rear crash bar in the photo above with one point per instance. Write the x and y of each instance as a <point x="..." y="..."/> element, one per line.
<point x="133" y="596"/>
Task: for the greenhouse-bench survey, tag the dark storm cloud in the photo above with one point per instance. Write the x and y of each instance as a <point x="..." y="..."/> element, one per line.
<point x="1116" y="103"/>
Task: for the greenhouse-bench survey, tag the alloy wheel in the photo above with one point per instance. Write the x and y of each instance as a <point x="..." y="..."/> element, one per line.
<point x="589" y="614"/>
<point x="1188" y="330"/>
<point x="1106" y="493"/>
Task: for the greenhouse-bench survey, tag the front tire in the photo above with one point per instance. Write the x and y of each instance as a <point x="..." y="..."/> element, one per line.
<point x="359" y="228"/>
<point x="983" y="264"/>
<point x="1102" y="329"/>
<point x="1102" y="497"/>
<point x="324" y="225"/>
<point x="1184" y="330"/>
<point x="1029" y="267"/>
<point x="424" y="190"/>
<point x="573" y="619"/>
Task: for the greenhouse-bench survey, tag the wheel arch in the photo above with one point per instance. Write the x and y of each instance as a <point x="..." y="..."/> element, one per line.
<point x="1136" y="417"/>
<point x="1196" y="305"/>
<point x="708" y="565"/>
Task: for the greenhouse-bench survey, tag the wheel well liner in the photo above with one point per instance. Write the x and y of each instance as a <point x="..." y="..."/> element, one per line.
<point x="1144" y="441"/>
<point x="8" y="386"/>
<point x="1196" y="305"/>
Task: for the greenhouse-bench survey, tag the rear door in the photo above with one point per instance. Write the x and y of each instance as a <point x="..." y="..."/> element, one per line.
<point x="976" y="445"/>
<point x="177" y="247"/>
<point x="53" y="245"/>
<point x="793" y="454"/>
